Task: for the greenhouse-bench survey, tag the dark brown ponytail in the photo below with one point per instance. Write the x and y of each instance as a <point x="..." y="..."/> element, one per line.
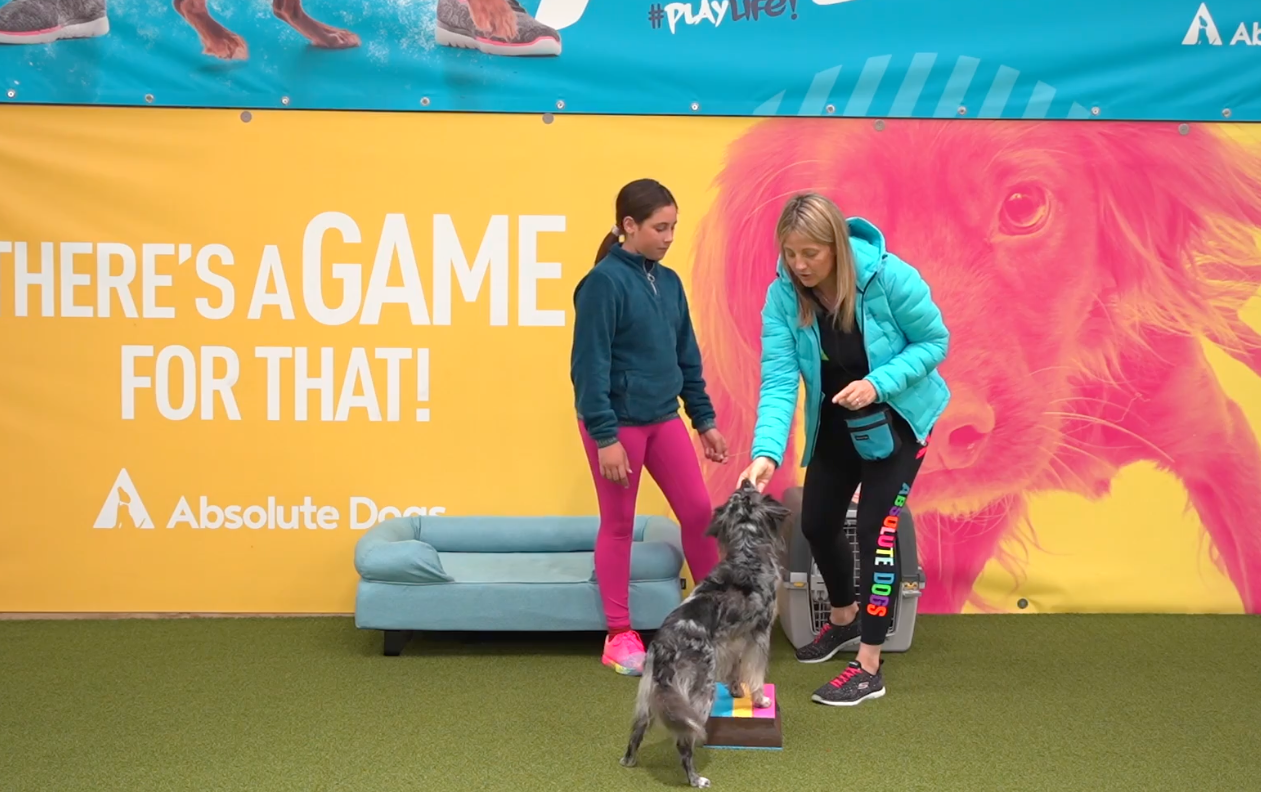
<point x="637" y="200"/>
<point x="610" y="239"/>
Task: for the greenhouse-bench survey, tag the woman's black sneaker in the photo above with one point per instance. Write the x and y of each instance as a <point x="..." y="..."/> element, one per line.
<point x="852" y="686"/>
<point x="829" y="641"/>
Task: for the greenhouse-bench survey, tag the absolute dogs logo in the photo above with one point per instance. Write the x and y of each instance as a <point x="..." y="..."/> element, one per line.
<point x="1203" y="30"/>
<point x="125" y="508"/>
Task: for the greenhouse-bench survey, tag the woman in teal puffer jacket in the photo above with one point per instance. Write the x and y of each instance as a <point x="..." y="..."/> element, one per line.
<point x="860" y="327"/>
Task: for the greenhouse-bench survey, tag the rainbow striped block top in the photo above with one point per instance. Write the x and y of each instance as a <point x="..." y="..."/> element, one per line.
<point x="725" y="706"/>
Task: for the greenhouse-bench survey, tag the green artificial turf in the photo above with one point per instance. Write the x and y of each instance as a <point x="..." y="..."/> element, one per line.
<point x="979" y="703"/>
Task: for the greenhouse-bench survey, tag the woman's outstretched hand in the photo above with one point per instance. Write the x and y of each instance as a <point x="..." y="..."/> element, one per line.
<point x="715" y="446"/>
<point x="758" y="473"/>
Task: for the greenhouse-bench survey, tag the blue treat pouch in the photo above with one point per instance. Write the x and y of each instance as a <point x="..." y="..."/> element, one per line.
<point x="871" y="431"/>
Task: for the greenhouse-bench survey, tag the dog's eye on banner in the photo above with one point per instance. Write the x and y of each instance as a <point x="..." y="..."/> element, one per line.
<point x="1025" y="210"/>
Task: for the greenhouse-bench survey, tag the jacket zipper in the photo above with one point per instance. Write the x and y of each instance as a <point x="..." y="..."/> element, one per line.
<point x="862" y="295"/>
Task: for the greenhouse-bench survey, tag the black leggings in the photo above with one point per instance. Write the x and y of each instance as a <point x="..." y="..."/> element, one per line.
<point x="834" y="472"/>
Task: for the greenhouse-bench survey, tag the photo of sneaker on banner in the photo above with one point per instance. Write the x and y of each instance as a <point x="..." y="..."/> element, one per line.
<point x="503" y="27"/>
<point x="45" y="21"/>
<point x="493" y="27"/>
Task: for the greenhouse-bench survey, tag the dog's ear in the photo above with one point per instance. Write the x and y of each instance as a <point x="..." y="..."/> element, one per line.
<point x="778" y="512"/>
<point x="775" y="513"/>
<point x="1177" y="214"/>
<point x="716" y="521"/>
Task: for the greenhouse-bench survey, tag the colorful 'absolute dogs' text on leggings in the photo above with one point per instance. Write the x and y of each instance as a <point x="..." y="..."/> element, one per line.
<point x="831" y="479"/>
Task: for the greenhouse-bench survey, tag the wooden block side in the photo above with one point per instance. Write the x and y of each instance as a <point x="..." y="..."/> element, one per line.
<point x="728" y="732"/>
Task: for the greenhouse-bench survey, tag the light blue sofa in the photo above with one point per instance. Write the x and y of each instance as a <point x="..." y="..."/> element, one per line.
<point x="456" y="572"/>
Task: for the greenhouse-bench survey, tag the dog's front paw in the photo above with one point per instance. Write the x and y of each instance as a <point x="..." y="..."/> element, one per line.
<point x="736" y="689"/>
<point x="761" y="701"/>
<point x="628" y="761"/>
<point x="701" y="782"/>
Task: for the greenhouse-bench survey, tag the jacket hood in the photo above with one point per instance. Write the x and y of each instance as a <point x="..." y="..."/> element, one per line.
<point x="867" y="242"/>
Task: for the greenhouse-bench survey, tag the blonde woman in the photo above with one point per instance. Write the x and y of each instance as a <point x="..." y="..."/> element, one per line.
<point x="860" y="327"/>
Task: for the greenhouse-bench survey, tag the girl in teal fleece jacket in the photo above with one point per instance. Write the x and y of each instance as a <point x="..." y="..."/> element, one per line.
<point x="634" y="358"/>
<point x="860" y="327"/>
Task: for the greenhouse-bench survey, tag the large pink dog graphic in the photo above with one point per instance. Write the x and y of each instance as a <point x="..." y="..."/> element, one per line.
<point x="1079" y="267"/>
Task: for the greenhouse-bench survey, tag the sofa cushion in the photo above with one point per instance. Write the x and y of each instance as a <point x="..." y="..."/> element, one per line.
<point x="489" y="534"/>
<point x="518" y="567"/>
<point x="497" y="534"/>
<point x="649" y="561"/>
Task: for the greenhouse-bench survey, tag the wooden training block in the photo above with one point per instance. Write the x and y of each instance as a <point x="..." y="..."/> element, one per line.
<point x="736" y="723"/>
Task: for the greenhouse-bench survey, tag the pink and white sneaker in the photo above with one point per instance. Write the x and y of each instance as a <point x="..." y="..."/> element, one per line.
<point x="624" y="653"/>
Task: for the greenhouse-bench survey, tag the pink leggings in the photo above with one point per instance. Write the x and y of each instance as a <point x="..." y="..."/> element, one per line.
<point x="665" y="449"/>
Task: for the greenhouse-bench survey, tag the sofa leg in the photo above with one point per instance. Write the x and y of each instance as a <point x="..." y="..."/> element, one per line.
<point x="395" y="640"/>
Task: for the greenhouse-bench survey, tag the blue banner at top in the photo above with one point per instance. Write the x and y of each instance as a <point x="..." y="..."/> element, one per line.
<point x="1177" y="60"/>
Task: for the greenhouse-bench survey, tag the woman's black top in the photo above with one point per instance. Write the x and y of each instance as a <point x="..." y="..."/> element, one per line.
<point x="844" y="356"/>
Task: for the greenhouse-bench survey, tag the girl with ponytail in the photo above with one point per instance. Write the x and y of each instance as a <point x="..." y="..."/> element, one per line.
<point x="634" y="357"/>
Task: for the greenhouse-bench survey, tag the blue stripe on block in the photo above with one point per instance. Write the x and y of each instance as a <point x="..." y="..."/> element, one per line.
<point x="723" y="704"/>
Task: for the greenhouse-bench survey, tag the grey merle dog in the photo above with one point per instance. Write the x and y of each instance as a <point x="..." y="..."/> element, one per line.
<point x="720" y="633"/>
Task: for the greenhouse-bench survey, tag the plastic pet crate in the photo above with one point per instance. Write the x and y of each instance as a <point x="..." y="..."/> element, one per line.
<point x="804" y="605"/>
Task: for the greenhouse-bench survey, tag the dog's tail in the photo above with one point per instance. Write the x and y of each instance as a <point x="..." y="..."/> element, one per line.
<point x="678" y="714"/>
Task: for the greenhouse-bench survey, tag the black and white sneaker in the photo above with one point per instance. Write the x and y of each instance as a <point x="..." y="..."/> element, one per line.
<point x="830" y="640"/>
<point x="854" y="685"/>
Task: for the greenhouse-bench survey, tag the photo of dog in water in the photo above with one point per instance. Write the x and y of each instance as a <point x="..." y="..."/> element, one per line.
<point x="493" y="27"/>
<point x="720" y="633"/>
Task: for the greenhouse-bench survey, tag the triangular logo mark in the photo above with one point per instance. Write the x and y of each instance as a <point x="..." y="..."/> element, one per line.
<point x="123" y="507"/>
<point x="1203" y="22"/>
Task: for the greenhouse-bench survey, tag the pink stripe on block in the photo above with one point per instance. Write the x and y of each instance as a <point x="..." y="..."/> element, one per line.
<point x="766" y="712"/>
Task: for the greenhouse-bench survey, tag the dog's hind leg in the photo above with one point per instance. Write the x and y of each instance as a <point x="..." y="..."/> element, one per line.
<point x="318" y="33"/>
<point x="643" y="716"/>
<point x="686" y="746"/>
<point x="642" y="722"/>
<point x="686" y="743"/>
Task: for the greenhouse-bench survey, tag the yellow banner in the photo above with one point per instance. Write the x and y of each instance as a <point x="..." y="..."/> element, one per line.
<point x="232" y="342"/>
